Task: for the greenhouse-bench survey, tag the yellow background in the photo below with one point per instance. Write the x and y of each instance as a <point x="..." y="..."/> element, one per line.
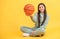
<point x="12" y="16"/>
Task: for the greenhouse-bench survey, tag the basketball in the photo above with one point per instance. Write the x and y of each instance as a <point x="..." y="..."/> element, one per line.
<point x="29" y="9"/>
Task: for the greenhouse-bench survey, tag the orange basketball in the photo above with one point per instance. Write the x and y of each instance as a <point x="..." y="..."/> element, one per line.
<point x="29" y="9"/>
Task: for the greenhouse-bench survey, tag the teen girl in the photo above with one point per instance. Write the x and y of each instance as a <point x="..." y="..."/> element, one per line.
<point x="40" y="19"/>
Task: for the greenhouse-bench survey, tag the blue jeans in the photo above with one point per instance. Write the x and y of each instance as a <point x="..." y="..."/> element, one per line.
<point x="28" y="30"/>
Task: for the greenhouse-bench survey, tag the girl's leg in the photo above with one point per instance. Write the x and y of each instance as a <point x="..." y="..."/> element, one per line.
<point x="26" y="29"/>
<point x="38" y="33"/>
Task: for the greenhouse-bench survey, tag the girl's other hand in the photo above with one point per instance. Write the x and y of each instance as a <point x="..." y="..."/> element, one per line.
<point x="33" y="32"/>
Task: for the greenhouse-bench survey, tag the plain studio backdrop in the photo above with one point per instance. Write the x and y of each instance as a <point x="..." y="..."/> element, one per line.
<point x="12" y="17"/>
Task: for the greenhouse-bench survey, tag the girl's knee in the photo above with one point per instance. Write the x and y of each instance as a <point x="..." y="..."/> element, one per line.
<point x="22" y="27"/>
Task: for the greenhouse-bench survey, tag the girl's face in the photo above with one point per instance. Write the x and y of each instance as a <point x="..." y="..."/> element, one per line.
<point x="41" y="8"/>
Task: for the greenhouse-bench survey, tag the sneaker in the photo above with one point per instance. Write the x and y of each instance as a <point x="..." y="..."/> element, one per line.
<point x="26" y="34"/>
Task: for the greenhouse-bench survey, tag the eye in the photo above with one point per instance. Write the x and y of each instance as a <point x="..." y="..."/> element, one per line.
<point x="42" y="6"/>
<point x="39" y="7"/>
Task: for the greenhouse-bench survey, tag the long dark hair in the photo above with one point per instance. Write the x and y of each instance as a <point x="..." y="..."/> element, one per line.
<point x="39" y="14"/>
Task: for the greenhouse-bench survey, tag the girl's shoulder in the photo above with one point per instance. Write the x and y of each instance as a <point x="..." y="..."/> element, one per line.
<point x="48" y="17"/>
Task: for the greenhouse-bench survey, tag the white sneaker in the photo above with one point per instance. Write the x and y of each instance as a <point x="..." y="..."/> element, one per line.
<point x="26" y="34"/>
